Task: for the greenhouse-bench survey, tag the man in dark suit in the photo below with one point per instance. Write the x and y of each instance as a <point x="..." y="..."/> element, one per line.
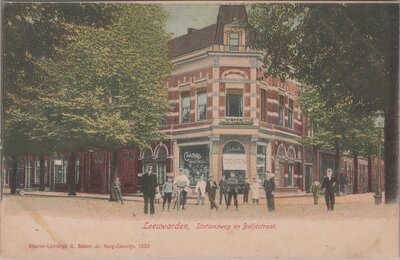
<point x="269" y="187"/>
<point x="211" y="189"/>
<point x="329" y="184"/>
<point x="222" y="190"/>
<point x="149" y="183"/>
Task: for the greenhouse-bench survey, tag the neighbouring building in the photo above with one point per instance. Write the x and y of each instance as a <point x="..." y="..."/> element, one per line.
<point x="226" y="116"/>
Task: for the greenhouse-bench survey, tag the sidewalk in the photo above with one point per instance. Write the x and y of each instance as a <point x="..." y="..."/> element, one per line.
<point x="134" y="196"/>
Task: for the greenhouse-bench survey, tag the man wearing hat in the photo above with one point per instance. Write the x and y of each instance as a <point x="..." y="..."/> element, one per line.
<point x="149" y="183"/>
<point x="211" y="190"/>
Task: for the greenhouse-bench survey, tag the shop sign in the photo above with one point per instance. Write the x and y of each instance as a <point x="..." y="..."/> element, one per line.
<point x="195" y="161"/>
<point x="193" y="157"/>
<point x="234" y="162"/>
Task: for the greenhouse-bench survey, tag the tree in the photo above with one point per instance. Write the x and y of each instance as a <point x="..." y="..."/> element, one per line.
<point x="339" y="126"/>
<point x="31" y="31"/>
<point x="344" y="49"/>
<point x="106" y="86"/>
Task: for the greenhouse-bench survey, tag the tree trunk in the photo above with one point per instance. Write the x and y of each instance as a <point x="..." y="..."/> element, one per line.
<point x="369" y="173"/>
<point x="41" y="173"/>
<point x="114" y="173"/>
<point x="13" y="177"/>
<point x="71" y="174"/>
<point x="337" y="165"/>
<point x="392" y="129"/>
<point x="355" y="182"/>
<point x="391" y="148"/>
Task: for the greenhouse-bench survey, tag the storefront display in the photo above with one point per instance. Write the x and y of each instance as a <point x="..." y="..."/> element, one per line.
<point x="195" y="160"/>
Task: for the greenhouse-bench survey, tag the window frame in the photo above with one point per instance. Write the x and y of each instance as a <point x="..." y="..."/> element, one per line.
<point x="291" y="113"/>
<point x="183" y="119"/>
<point x="281" y="111"/>
<point x="234" y="47"/>
<point x="199" y="94"/>
<point x="37" y="172"/>
<point x="228" y="102"/>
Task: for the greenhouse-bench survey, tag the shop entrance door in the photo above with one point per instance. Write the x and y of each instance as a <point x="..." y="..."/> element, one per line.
<point x="234" y="160"/>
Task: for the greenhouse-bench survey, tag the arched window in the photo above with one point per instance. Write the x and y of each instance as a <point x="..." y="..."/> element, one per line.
<point x="291" y="154"/>
<point x="161" y="164"/>
<point x="281" y="153"/>
<point x="147" y="159"/>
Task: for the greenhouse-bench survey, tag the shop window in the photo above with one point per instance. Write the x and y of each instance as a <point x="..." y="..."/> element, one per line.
<point x="201" y="106"/>
<point x="281" y="116"/>
<point x="290" y="114"/>
<point x="234" y="105"/>
<point x="261" y="160"/>
<point x="195" y="160"/>
<point x="185" y="112"/>
<point x="234" y="41"/>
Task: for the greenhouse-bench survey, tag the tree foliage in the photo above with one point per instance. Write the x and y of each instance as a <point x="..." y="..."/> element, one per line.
<point x="346" y="47"/>
<point x="31" y="31"/>
<point x="105" y="91"/>
<point x="338" y="125"/>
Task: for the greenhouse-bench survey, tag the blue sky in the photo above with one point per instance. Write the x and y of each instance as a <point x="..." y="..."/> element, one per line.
<point x="183" y="16"/>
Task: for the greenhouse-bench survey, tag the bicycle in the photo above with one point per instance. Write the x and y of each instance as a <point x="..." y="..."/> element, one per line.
<point x="178" y="198"/>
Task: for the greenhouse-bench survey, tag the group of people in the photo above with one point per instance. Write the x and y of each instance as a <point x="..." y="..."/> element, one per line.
<point x="228" y="189"/>
<point x="327" y="188"/>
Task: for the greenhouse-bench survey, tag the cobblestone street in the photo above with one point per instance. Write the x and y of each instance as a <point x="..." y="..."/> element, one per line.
<point x="357" y="228"/>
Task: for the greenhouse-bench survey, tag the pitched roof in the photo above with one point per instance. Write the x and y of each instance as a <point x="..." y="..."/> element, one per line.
<point x="195" y="40"/>
<point x="210" y="35"/>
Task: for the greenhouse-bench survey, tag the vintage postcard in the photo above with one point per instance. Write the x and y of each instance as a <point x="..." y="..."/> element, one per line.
<point x="135" y="130"/>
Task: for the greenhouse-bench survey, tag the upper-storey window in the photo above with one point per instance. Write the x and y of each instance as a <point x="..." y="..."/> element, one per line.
<point x="234" y="104"/>
<point x="290" y="114"/>
<point x="310" y="131"/>
<point x="263" y="107"/>
<point x="281" y="116"/>
<point x="185" y="106"/>
<point x="234" y="41"/>
<point x="201" y="106"/>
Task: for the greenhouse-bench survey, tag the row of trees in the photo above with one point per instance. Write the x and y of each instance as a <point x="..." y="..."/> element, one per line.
<point x="82" y="77"/>
<point x="347" y="55"/>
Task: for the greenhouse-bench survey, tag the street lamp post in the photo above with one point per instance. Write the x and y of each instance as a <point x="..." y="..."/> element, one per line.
<point x="379" y="124"/>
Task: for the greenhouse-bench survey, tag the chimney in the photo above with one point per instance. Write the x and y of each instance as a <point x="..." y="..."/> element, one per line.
<point x="190" y="30"/>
